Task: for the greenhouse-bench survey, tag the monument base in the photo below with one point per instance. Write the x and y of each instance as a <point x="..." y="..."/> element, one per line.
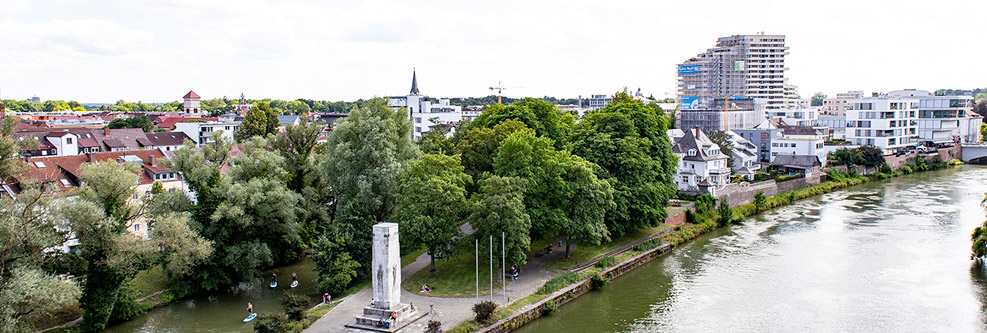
<point x="372" y="316"/>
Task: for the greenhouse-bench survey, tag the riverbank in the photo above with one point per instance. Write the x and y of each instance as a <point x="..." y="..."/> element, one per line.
<point x="883" y="256"/>
<point x="835" y="180"/>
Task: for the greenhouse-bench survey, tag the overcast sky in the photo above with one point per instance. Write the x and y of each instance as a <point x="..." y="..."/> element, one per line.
<point x="157" y="50"/>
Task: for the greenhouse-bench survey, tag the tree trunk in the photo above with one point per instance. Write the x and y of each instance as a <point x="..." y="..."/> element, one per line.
<point x="432" y="257"/>
<point x="568" y="240"/>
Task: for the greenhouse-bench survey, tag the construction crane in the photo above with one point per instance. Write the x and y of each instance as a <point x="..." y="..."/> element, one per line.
<point x="500" y="91"/>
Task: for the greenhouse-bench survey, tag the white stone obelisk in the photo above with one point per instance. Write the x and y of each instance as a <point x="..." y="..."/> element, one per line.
<point x="386" y="266"/>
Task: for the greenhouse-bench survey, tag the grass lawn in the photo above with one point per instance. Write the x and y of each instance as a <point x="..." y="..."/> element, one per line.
<point x="150" y="281"/>
<point x="587" y="252"/>
<point x="454" y="276"/>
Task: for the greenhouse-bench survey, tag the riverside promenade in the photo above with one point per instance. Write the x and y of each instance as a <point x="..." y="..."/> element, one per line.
<point x="449" y="310"/>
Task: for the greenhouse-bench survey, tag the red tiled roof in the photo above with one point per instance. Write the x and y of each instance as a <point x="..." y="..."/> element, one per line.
<point x="168" y="123"/>
<point x="191" y="94"/>
<point x="57" y="168"/>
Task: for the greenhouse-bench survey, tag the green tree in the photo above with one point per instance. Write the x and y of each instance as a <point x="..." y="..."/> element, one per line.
<point x="628" y="141"/>
<point x="760" y="202"/>
<point x="367" y="153"/>
<point x="871" y="156"/>
<point x="817" y="99"/>
<point x="142" y="122"/>
<point x="431" y="204"/>
<point x="845" y="156"/>
<point x="260" y="120"/>
<point x="564" y="194"/>
<point x="271" y="322"/>
<point x="335" y="266"/>
<point x="983" y="132"/>
<point x="536" y="114"/>
<point x="477" y="146"/>
<point x="99" y="219"/>
<point x="724" y="213"/>
<point x="500" y="209"/>
<point x="722" y="139"/>
<point x="297" y="145"/>
<point x="298" y="107"/>
<point x="979" y="238"/>
<point x="435" y="142"/>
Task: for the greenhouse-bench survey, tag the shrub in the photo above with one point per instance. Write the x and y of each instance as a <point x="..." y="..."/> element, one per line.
<point x="270" y="322"/>
<point x="606" y="262"/>
<point x="294" y="306"/>
<point x="598" y="281"/>
<point x="650" y="244"/>
<point x="484" y="311"/>
<point x="760" y="201"/>
<point x="558" y="282"/>
<point x="788" y="177"/>
<point x="434" y="326"/>
<point x="549" y="307"/>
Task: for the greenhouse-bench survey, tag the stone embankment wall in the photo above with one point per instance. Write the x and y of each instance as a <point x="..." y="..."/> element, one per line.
<point x="565" y="295"/>
<point x="743" y="193"/>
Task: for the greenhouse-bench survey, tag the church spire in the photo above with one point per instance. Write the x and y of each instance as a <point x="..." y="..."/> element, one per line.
<point x="414" y="83"/>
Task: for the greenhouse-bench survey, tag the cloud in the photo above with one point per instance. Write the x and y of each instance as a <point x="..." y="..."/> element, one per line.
<point x="74" y="36"/>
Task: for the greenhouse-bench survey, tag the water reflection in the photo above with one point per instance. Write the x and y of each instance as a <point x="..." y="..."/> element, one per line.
<point x="884" y="256"/>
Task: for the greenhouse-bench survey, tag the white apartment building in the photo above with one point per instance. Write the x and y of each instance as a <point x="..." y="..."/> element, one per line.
<point x="837" y="106"/>
<point x="740" y="113"/>
<point x="599" y="101"/>
<point x="887" y="122"/>
<point x="741" y="66"/>
<point x="944" y="119"/>
<point x="799" y="143"/>
<point x="203" y="133"/>
<point x="701" y="164"/>
<point x="425" y="113"/>
<point x="800" y="115"/>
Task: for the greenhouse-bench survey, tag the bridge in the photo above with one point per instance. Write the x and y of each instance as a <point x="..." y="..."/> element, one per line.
<point x="975" y="153"/>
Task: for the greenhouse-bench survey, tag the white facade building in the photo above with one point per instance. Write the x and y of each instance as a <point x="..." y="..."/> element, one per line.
<point x="944" y="119"/>
<point x="425" y="113"/>
<point x="887" y="122"/>
<point x="203" y="133"/>
<point x="701" y="164"/>
<point x="797" y="116"/>
<point x="192" y="105"/>
<point x="837" y="106"/>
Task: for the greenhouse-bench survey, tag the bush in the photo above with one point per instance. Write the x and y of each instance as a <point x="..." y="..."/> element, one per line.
<point x="294" y="306"/>
<point x="484" y="311"/>
<point x="650" y="244"/>
<point x="434" y="326"/>
<point x="549" y="307"/>
<point x="598" y="281"/>
<point x="606" y="262"/>
<point x="788" y="177"/>
<point x="558" y="282"/>
<point x="270" y="322"/>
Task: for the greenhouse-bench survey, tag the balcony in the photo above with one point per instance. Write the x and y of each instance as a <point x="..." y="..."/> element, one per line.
<point x="719" y="171"/>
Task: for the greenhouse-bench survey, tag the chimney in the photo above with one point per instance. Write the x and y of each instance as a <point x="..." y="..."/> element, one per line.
<point x="150" y="160"/>
<point x="106" y="131"/>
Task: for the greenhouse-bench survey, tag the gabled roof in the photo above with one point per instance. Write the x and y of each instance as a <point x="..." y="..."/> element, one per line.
<point x="167" y="138"/>
<point x="53" y="169"/>
<point x="801" y="130"/>
<point x="797" y="161"/>
<point x="191" y="94"/>
<point x="695" y="139"/>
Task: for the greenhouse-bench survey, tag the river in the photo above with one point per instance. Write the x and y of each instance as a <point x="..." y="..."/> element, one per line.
<point x="885" y="256"/>
<point x="224" y="311"/>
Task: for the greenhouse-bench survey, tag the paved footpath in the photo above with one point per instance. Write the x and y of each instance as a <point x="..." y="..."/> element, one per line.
<point x="448" y="310"/>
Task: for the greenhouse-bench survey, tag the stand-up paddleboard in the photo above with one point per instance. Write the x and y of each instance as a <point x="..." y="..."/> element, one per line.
<point x="250" y="317"/>
<point x="274" y="284"/>
<point x="294" y="284"/>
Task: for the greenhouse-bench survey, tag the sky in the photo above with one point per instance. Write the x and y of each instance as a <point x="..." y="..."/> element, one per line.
<point x="158" y="50"/>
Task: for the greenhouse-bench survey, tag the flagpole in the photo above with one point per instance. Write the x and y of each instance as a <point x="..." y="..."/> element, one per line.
<point x="477" y="269"/>
<point x="491" y="268"/>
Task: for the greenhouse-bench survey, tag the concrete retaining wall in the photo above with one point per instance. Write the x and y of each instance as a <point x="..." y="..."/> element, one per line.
<point x="565" y="295"/>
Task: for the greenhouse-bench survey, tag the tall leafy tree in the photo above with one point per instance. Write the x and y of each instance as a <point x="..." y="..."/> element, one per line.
<point x="722" y="139"/>
<point x="99" y="219"/>
<point x="478" y="146"/>
<point x="817" y="98"/>
<point x="366" y="155"/>
<point x="435" y="142"/>
<point x="979" y="238"/>
<point x="432" y="204"/>
<point x="260" y="120"/>
<point x="628" y="141"/>
<point x="564" y="195"/>
<point x="297" y="145"/>
<point x="536" y="114"/>
<point x="500" y="209"/>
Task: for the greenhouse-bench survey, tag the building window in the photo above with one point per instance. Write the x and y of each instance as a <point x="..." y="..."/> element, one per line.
<point x="147" y="194"/>
<point x="418" y="120"/>
<point x="137" y="227"/>
<point x="68" y="141"/>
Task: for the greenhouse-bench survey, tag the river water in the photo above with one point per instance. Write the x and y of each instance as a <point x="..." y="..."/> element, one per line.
<point x="224" y="311"/>
<point x="888" y="256"/>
